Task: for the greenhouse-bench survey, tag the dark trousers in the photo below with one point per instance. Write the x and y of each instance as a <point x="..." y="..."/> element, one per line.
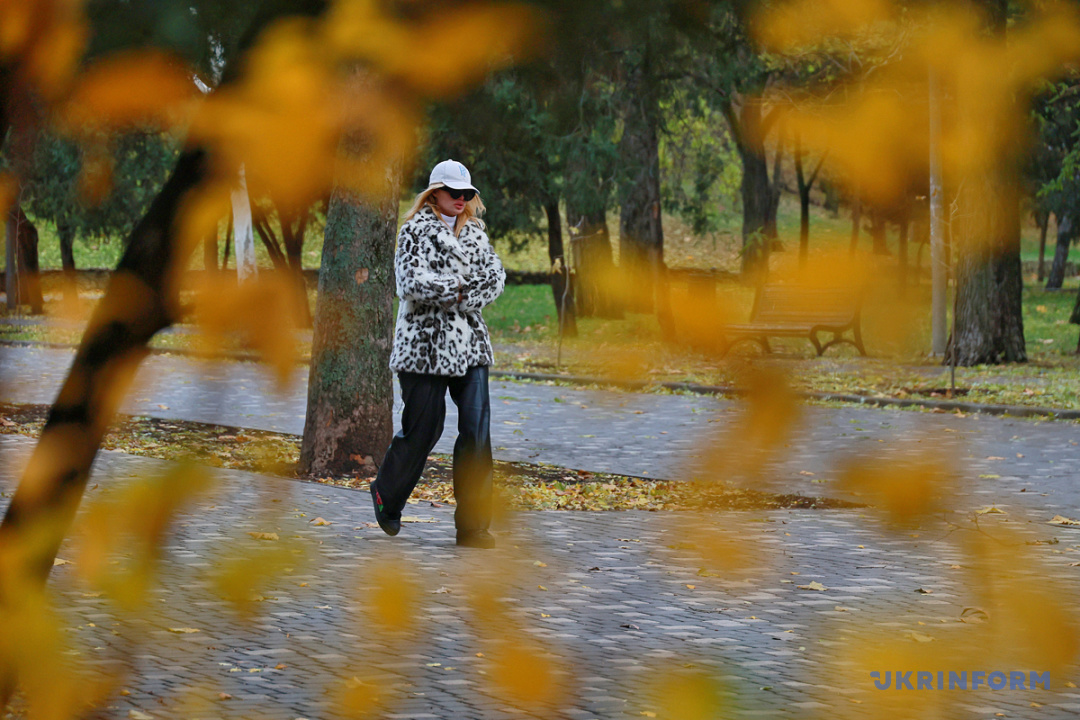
<point x="421" y="427"/>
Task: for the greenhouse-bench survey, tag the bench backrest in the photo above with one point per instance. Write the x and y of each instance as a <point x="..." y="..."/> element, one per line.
<point x="802" y="305"/>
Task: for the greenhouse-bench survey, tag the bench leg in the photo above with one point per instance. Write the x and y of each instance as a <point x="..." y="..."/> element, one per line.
<point x="817" y="343"/>
<point x="764" y="342"/>
<point x="857" y="332"/>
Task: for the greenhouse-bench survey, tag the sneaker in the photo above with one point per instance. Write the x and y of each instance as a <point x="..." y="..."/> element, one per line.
<point x="479" y="539"/>
<point x="390" y="525"/>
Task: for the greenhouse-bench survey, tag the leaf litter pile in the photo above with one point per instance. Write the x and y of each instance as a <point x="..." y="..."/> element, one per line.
<point x="525" y="486"/>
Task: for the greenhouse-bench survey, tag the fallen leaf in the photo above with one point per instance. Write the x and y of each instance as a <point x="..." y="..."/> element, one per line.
<point x="280" y="666"/>
<point x="136" y="715"/>
<point x="812" y="586"/>
<point x="414" y="519"/>
<point x="919" y="637"/>
<point x="263" y="535"/>
<point x="923" y="591"/>
<point x="974" y="615"/>
<point x="60" y="561"/>
<point x="125" y="693"/>
<point x="440" y="591"/>
<point x="319" y="522"/>
<point x="991" y="511"/>
<point x="692" y="587"/>
<point x="541" y="587"/>
<point x="540" y="564"/>
<point x="184" y="631"/>
<point x="224" y="696"/>
<point x="1063" y="521"/>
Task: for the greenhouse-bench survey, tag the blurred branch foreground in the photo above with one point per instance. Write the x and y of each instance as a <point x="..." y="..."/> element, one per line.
<point x="323" y="101"/>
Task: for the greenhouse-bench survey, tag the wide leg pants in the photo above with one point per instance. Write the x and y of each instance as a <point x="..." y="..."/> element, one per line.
<point x="422" y="426"/>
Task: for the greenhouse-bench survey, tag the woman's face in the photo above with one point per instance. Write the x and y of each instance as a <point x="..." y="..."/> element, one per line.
<point x="448" y="205"/>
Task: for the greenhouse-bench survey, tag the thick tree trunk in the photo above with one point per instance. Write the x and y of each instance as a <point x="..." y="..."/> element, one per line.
<point x="641" y="233"/>
<point x="350" y="388"/>
<point x="988" y="327"/>
<point x="561" y="287"/>
<point x="1043" y="221"/>
<point x="595" y="278"/>
<point x="23" y="286"/>
<point x="1075" y="318"/>
<point x="1065" y="234"/>
<point x="67" y="263"/>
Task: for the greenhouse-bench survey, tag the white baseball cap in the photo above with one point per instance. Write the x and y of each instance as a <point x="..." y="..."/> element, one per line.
<point x="452" y="174"/>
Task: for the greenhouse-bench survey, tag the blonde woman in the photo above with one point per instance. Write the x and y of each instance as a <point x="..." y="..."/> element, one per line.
<point x="447" y="272"/>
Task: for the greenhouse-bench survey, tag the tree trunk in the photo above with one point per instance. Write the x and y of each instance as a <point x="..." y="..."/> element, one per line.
<point x="29" y="268"/>
<point x="560" y="276"/>
<point x="755" y="190"/>
<point x="293" y="240"/>
<point x="1065" y="234"/>
<point x="67" y="263"/>
<point x="1075" y="318"/>
<point x="140" y="300"/>
<point x="243" y="230"/>
<point x="350" y="388"/>
<point x="1043" y="221"/>
<point x="137" y="303"/>
<point x="641" y="233"/>
<point x="11" y="260"/>
<point x="595" y="278"/>
<point x="804" y="204"/>
<point x="989" y="326"/>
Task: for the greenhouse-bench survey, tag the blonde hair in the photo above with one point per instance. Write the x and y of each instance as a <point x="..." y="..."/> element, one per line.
<point x="473" y="208"/>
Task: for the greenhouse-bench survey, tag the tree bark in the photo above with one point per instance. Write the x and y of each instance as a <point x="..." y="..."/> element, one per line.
<point x="988" y="327"/>
<point x="1065" y="234"/>
<point x="561" y="288"/>
<point x="29" y="268"/>
<point x="641" y="232"/>
<point x="594" y="267"/>
<point x="350" y="388"/>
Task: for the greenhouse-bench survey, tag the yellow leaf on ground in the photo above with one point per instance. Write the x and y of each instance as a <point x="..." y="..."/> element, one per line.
<point x="1062" y="520"/>
<point x="919" y="637"/>
<point x="319" y="522"/>
<point x="813" y="586"/>
<point x="184" y="631"/>
<point x="263" y="535"/>
<point x="414" y="519"/>
<point x="991" y="511"/>
<point x="60" y="561"/>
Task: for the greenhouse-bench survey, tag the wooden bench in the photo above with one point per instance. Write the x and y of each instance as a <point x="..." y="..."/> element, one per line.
<point x="800" y="311"/>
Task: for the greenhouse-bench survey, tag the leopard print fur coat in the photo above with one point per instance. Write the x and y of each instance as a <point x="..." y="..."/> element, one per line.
<point x="435" y="333"/>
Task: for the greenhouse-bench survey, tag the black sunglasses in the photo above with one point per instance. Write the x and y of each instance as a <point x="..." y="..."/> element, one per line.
<point x="456" y="194"/>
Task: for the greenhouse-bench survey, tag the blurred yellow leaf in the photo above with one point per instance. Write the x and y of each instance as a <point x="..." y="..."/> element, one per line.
<point x="133" y="88"/>
<point x="184" y="631"/>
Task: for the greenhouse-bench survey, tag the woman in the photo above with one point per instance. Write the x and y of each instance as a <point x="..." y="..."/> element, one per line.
<point x="447" y="273"/>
